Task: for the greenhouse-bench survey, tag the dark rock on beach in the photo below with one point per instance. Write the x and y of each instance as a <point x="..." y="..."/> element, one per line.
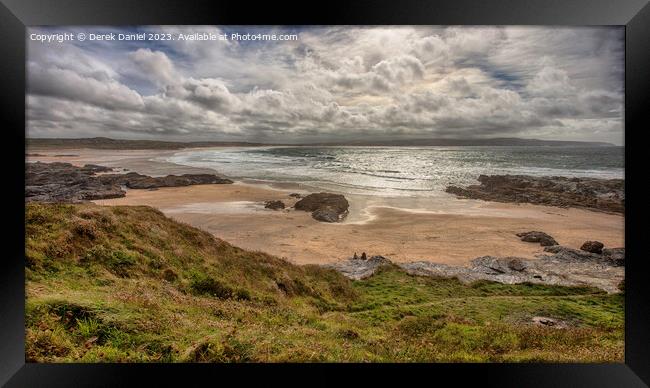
<point x="326" y="214"/>
<point x="295" y="195"/>
<point x="133" y="180"/>
<point x="64" y="182"/>
<point x="324" y="207"/>
<point x="94" y="168"/>
<point x="537" y="237"/>
<point x="274" y="205"/>
<point x="590" y="193"/>
<point x="592" y="246"/>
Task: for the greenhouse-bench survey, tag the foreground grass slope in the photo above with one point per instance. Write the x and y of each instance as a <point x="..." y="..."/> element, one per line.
<point x="127" y="284"/>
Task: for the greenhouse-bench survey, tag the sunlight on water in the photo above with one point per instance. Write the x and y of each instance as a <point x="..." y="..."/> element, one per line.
<point x="402" y="171"/>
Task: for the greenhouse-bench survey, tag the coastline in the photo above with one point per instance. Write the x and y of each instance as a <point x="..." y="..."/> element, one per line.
<point x="443" y="230"/>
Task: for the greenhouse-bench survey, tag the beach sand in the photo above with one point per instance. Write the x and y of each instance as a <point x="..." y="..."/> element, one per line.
<point x="236" y="214"/>
<point x="451" y="231"/>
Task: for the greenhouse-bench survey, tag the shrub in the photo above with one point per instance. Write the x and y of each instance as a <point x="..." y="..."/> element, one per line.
<point x="69" y="313"/>
<point x="228" y="350"/>
<point x="88" y="327"/>
<point x="118" y="262"/>
<point x="169" y="275"/>
<point x="205" y="285"/>
<point x="243" y="294"/>
<point x="348" y="334"/>
<point x="412" y="326"/>
<point x="85" y="229"/>
<point x="48" y="345"/>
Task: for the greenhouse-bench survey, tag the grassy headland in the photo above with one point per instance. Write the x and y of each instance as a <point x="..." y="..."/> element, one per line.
<point x="127" y="284"/>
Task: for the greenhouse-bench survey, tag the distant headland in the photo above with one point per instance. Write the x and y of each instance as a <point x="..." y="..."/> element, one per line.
<point x="108" y="143"/>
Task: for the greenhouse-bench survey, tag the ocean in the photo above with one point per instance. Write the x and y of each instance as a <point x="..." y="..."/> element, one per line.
<point x="401" y="171"/>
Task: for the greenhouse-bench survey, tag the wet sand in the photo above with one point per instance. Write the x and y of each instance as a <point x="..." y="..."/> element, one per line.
<point x="442" y="229"/>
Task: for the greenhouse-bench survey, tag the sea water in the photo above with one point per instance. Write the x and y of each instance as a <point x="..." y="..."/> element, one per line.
<point x="402" y="171"/>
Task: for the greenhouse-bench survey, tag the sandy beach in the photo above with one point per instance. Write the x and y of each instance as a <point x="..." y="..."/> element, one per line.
<point x="452" y="232"/>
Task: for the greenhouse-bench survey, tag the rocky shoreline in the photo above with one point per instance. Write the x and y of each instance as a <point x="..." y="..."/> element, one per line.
<point x="590" y="193"/>
<point x="558" y="265"/>
<point x="592" y="265"/>
<point x="64" y="182"/>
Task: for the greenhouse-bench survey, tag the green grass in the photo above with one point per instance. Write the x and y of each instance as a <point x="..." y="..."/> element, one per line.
<point x="127" y="284"/>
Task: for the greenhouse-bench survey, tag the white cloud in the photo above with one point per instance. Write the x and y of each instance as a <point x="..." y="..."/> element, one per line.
<point x="335" y="83"/>
<point x="68" y="84"/>
<point x="155" y="65"/>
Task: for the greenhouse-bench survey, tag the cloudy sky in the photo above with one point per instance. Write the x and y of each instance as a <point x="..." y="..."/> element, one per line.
<point x="332" y="84"/>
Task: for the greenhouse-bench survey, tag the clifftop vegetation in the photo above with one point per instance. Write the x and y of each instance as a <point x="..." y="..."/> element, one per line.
<point x="127" y="284"/>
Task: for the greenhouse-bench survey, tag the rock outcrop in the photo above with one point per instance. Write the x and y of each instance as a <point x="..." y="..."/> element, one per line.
<point x="357" y="268"/>
<point x="133" y="180"/>
<point x="537" y="237"/>
<point x="559" y="266"/>
<point x="591" y="193"/>
<point x="549" y="322"/>
<point x="325" y="207"/>
<point x="557" y="269"/>
<point x="64" y="182"/>
<point x="615" y="255"/>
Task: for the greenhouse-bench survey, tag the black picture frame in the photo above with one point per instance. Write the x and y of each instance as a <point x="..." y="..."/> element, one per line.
<point x="15" y="15"/>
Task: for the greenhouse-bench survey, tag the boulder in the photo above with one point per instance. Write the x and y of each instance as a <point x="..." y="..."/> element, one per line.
<point x="274" y="205"/>
<point x="592" y="246"/>
<point x="324" y="207"/>
<point x="295" y="195"/>
<point x="539" y="237"/>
